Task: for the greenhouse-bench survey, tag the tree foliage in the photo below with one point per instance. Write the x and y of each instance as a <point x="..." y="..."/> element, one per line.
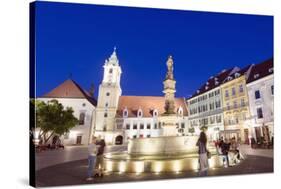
<point x="52" y="118"/>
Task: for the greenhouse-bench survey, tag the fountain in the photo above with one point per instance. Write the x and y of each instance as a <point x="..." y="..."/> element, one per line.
<point x="167" y="153"/>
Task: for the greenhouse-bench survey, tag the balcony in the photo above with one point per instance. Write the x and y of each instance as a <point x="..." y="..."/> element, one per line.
<point x="236" y="107"/>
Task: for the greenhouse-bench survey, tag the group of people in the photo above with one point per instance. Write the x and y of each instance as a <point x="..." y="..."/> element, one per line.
<point x="229" y="150"/>
<point x="95" y="158"/>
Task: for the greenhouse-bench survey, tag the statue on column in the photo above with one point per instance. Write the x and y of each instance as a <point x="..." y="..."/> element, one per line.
<point x="170" y="74"/>
<point x="169" y="87"/>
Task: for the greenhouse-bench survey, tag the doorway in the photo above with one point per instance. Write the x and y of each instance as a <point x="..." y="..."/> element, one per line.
<point x="79" y="140"/>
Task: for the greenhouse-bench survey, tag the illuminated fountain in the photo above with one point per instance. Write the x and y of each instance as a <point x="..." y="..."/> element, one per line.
<point x="167" y="153"/>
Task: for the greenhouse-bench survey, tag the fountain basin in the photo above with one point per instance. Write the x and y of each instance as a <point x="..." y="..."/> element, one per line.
<point x="165" y="145"/>
<point x="124" y="162"/>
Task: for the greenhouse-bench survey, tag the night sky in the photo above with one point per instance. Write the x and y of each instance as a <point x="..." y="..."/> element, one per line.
<point x="77" y="38"/>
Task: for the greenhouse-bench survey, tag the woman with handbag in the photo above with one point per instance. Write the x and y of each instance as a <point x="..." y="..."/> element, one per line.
<point x="203" y="154"/>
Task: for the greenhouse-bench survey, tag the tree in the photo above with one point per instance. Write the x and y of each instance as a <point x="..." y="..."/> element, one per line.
<point x="52" y="118"/>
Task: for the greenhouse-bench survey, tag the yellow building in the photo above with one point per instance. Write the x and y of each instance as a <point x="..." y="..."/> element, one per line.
<point x="235" y="103"/>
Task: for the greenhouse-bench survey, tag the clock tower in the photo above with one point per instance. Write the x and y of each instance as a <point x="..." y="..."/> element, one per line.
<point x="108" y="97"/>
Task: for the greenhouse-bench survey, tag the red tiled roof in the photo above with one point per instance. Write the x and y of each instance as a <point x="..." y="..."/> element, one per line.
<point x="147" y="104"/>
<point x="261" y="70"/>
<point x="70" y="89"/>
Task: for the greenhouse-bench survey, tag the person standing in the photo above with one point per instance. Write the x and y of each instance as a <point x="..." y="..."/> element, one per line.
<point x="99" y="164"/>
<point x="202" y="151"/>
<point x="225" y="149"/>
<point x="92" y="154"/>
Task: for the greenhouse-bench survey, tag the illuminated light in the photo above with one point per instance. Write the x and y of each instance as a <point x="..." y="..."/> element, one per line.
<point x="177" y="166"/>
<point x="122" y="167"/>
<point x="211" y="163"/>
<point x="195" y="164"/>
<point x="158" y="167"/>
<point x="109" y="166"/>
<point x="139" y="167"/>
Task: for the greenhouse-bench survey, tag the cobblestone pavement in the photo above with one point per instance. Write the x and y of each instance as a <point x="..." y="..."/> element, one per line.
<point x="74" y="172"/>
<point x="70" y="153"/>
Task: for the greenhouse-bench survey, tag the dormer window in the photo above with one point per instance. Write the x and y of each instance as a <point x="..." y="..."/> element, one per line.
<point x="216" y="83"/>
<point x="237" y="75"/>
<point x="206" y="87"/>
<point x="270" y="70"/>
<point x="256" y="76"/>
<point x="180" y="111"/>
<point x="229" y="78"/>
<point x="155" y="113"/>
<point x="198" y="91"/>
<point x="125" y="112"/>
<point x="216" y="78"/>
<point x="139" y="113"/>
<point x="207" y="83"/>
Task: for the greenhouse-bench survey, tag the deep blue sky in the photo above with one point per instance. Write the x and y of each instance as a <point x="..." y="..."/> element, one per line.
<point x="77" y="38"/>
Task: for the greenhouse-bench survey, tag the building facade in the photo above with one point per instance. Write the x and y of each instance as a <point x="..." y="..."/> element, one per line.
<point x="235" y="103"/>
<point x="260" y="87"/>
<point x="70" y="94"/>
<point x="205" y="106"/>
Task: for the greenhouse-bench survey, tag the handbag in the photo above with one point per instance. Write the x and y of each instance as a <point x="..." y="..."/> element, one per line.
<point x="209" y="155"/>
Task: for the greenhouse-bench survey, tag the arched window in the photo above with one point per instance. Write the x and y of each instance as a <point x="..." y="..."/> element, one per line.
<point x="105" y="114"/>
<point x="110" y="70"/>
<point x="125" y="112"/>
<point x="139" y="113"/>
<point x="155" y="113"/>
<point x="180" y="111"/>
<point x="82" y="118"/>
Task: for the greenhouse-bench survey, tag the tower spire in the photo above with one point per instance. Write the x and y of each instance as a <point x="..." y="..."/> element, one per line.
<point x="113" y="59"/>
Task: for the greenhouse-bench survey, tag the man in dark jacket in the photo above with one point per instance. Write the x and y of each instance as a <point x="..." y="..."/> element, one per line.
<point x="225" y="149"/>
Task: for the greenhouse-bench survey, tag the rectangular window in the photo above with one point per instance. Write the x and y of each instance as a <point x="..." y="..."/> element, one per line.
<point x="212" y="120"/>
<point x="148" y="126"/>
<point x="182" y="125"/>
<point x="236" y="120"/>
<point x="119" y="126"/>
<point x="241" y="89"/>
<point x="218" y="104"/>
<point x="235" y="104"/>
<point x="257" y="94"/>
<point x="135" y="136"/>
<point x="127" y="126"/>
<point x="272" y="89"/>
<point x="233" y="91"/>
<point x="82" y="118"/>
<point x="155" y="125"/>
<point x="135" y="126"/>
<point x="242" y="102"/>
<point x="228" y="106"/>
<point x="259" y="113"/>
<point x="141" y="126"/>
<point x="148" y="136"/>
<point x="226" y="94"/>
<point x="218" y="119"/>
